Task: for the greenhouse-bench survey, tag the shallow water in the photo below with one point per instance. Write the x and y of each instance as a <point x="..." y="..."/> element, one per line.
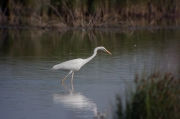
<point x="30" y="89"/>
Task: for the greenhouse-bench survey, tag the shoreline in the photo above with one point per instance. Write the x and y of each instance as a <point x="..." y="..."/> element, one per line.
<point x="23" y="27"/>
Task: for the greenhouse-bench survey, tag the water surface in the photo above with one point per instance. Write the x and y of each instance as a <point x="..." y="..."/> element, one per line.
<point x="30" y="89"/>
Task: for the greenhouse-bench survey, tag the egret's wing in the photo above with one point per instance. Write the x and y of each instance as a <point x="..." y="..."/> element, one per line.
<point x="75" y="64"/>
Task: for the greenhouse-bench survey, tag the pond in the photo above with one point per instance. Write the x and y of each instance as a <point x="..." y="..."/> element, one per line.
<point x="29" y="89"/>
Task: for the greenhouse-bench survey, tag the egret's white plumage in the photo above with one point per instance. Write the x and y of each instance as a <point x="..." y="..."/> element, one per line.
<point x="76" y="64"/>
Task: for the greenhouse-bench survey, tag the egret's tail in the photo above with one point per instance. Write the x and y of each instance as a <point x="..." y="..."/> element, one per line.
<point x="56" y="67"/>
<point x="53" y="68"/>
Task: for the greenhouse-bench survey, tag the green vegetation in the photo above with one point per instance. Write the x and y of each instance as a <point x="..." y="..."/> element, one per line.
<point x="87" y="13"/>
<point x="156" y="97"/>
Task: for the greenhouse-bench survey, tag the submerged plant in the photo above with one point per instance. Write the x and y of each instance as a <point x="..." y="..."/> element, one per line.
<point x="155" y="97"/>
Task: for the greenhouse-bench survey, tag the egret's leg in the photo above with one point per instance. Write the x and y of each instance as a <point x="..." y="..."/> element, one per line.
<point x="72" y="88"/>
<point x="72" y="77"/>
<point x="66" y="76"/>
<point x="66" y="87"/>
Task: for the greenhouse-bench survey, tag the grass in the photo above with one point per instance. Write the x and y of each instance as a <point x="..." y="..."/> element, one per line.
<point x="156" y="97"/>
<point x="86" y="13"/>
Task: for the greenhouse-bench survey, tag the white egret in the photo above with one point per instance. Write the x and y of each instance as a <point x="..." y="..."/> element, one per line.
<point x="76" y="64"/>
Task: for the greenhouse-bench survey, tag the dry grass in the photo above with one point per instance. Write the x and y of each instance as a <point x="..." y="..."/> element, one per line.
<point x="85" y="13"/>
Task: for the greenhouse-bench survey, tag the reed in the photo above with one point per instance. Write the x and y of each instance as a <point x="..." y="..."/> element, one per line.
<point x="85" y="13"/>
<point x="156" y="97"/>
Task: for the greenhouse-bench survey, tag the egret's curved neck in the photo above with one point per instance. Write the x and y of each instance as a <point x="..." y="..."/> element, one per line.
<point x="90" y="58"/>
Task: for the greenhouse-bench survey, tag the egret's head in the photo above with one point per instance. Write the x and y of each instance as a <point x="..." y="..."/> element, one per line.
<point x="103" y="49"/>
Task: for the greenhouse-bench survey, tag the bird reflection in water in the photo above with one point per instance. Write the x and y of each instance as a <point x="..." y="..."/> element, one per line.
<point x="75" y="101"/>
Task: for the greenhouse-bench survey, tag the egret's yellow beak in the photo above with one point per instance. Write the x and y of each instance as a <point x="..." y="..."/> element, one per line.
<point x="108" y="52"/>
